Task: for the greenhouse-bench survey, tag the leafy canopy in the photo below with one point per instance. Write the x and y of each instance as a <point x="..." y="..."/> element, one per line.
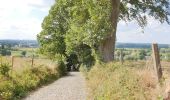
<point x="139" y="10"/>
<point x="71" y="23"/>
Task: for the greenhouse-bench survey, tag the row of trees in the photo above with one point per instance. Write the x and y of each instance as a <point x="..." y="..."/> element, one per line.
<point x="76" y="26"/>
<point x="5" y="50"/>
<point x="133" y="54"/>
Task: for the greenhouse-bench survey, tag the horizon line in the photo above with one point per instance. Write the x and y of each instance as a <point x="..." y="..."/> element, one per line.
<point x="116" y="42"/>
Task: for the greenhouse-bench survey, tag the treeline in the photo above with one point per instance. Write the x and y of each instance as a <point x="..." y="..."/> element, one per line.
<point x="19" y="43"/>
<point x="5" y="50"/>
<point x="12" y="43"/>
<point x="8" y="46"/>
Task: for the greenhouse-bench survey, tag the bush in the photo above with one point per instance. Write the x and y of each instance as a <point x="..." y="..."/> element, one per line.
<point x="5" y="52"/>
<point x="61" y="68"/>
<point x="4" y="69"/>
<point x="23" y="53"/>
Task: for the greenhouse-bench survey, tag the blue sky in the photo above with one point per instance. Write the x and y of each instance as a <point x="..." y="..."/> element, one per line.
<point x="21" y="19"/>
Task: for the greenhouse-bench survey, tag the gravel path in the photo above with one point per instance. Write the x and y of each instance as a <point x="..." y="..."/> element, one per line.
<point x="70" y="87"/>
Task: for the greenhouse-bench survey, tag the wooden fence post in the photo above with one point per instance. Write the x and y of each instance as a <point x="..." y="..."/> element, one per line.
<point x="156" y="61"/>
<point x="32" y="61"/>
<point x="1" y="59"/>
<point x="12" y="60"/>
<point x="121" y="56"/>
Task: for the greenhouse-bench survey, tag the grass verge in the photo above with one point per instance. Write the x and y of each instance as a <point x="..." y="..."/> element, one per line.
<point x="14" y="86"/>
<point x="114" y="81"/>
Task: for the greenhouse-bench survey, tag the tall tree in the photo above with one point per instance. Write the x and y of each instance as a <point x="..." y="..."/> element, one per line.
<point x="71" y="23"/>
<point x="54" y="26"/>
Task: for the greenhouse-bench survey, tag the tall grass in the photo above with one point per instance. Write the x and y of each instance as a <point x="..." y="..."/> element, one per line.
<point x="21" y="63"/>
<point x="14" y="85"/>
<point x="114" y="81"/>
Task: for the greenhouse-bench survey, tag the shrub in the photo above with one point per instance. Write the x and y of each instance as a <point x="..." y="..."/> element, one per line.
<point x="23" y="53"/>
<point x="45" y="74"/>
<point x="5" y="52"/>
<point x="61" y="68"/>
<point x="18" y="91"/>
<point x="4" y="69"/>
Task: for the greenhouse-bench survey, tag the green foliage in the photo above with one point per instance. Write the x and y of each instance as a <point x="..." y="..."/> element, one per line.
<point x="72" y="61"/>
<point x="141" y="54"/>
<point x="138" y="10"/>
<point x="61" y="68"/>
<point x="71" y="23"/>
<point x="82" y="56"/>
<point x="89" y="23"/>
<point x="85" y="57"/>
<point x="55" y="26"/>
<point x="23" y="53"/>
<point x="165" y="54"/>
<point x="5" y="52"/>
<point x="168" y="57"/>
<point x="19" y="84"/>
<point x="5" y="69"/>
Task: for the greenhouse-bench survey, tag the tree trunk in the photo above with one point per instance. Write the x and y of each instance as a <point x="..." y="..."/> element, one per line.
<point x="107" y="46"/>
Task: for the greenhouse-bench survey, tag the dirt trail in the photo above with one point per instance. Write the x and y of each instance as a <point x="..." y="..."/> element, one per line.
<point x="70" y="87"/>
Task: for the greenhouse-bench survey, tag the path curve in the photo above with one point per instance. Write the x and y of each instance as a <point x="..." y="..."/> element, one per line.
<point x="70" y="87"/>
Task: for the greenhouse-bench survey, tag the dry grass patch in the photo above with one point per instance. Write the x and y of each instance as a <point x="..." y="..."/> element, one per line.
<point x="20" y="63"/>
<point x="114" y="81"/>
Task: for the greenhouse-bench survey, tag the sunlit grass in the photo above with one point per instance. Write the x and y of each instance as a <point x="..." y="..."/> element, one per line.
<point x="22" y="62"/>
<point x="15" y="84"/>
<point x="130" y="81"/>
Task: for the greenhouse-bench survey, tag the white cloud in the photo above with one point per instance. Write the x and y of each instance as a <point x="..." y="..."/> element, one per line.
<point x="21" y="29"/>
<point x="154" y="32"/>
<point x="17" y="19"/>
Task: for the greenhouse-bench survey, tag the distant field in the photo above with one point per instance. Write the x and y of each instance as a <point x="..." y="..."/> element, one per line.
<point x="21" y="63"/>
<point x="29" y="51"/>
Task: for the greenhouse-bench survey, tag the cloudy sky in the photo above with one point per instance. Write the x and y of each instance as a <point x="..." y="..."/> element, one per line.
<point x="21" y="19"/>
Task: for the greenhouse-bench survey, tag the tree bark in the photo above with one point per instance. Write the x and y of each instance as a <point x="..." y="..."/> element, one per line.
<point x="107" y="46"/>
